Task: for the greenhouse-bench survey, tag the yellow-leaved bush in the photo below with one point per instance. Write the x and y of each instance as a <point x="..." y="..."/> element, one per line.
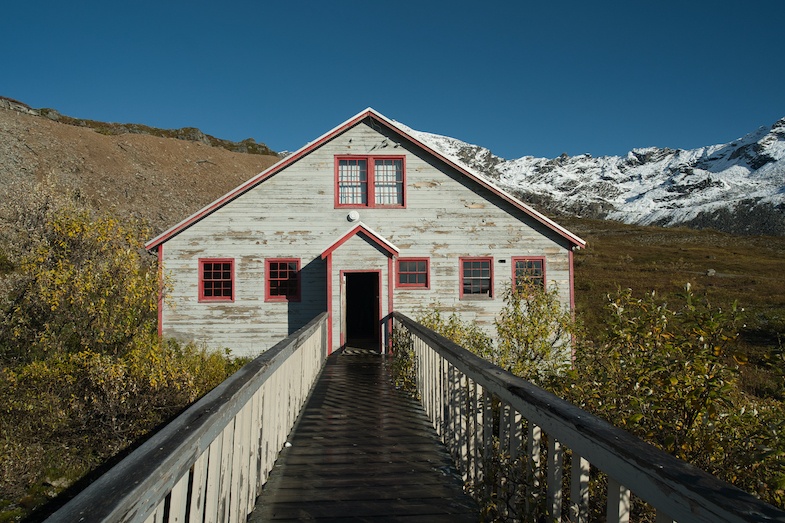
<point x="83" y="372"/>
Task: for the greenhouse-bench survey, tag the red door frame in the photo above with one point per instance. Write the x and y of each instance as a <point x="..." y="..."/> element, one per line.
<point x="377" y="326"/>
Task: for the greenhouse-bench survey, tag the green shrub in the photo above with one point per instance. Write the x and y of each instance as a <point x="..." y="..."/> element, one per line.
<point x="669" y="374"/>
<point x="64" y="415"/>
<point x="81" y="281"/>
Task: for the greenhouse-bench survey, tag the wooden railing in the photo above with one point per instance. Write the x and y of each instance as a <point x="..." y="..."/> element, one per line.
<point x="516" y="444"/>
<point x="209" y="463"/>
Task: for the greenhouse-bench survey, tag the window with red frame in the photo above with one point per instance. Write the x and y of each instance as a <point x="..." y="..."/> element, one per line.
<point x="476" y="277"/>
<point x="413" y="273"/>
<point x="283" y="279"/>
<point x="216" y="279"/>
<point x="369" y="181"/>
<point x="528" y="270"/>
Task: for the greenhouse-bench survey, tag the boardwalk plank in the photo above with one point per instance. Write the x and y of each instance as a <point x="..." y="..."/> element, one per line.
<point x="363" y="451"/>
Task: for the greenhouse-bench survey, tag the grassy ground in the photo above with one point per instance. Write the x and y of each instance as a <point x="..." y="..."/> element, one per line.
<point x="749" y="270"/>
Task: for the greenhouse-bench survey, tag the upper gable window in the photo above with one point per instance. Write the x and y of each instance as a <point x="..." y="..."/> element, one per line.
<point x="369" y="181"/>
<point x="216" y="279"/>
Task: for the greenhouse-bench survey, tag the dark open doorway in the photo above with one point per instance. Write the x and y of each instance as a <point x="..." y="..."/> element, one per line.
<point x="362" y="310"/>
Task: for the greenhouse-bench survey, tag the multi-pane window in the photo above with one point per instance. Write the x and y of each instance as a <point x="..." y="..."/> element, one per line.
<point x="283" y="280"/>
<point x="388" y="181"/>
<point x="353" y="181"/>
<point x="216" y="279"/>
<point x="369" y="182"/>
<point x="413" y="272"/>
<point x="476" y="277"/>
<point x="529" y="271"/>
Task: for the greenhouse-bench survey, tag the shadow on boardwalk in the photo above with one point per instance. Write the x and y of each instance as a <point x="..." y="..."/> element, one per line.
<point x="363" y="451"/>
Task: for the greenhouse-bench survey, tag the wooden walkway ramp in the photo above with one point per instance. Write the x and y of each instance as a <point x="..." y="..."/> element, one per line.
<point x="363" y="451"/>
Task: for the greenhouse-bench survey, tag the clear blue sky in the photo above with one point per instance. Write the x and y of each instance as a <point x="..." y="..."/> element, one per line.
<point x="521" y="78"/>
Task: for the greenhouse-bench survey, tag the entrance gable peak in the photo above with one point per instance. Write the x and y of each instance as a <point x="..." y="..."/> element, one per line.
<point x="376" y="238"/>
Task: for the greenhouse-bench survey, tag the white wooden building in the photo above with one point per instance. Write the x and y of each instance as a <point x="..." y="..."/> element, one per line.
<point x="362" y="221"/>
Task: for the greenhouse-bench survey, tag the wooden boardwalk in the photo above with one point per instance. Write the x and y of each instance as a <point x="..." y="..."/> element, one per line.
<point x="363" y="451"/>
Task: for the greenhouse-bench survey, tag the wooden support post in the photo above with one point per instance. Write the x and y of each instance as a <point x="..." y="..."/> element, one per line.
<point x="579" y="489"/>
<point x="516" y="440"/>
<point x="213" y="488"/>
<point x="178" y="500"/>
<point x="504" y="445"/>
<point x="463" y="434"/>
<point x="618" y="502"/>
<point x="534" y="469"/>
<point x="198" y="486"/>
<point x="226" y="472"/>
<point x="479" y="441"/>
<point x="555" y="474"/>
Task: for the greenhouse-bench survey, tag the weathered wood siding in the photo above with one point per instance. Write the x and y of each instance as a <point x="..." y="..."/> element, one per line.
<point x="292" y="214"/>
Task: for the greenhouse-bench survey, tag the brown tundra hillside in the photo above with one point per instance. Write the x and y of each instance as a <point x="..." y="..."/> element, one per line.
<point x="157" y="178"/>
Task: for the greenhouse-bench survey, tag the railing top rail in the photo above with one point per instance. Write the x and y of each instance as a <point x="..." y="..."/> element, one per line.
<point x="683" y="491"/>
<point x="125" y="492"/>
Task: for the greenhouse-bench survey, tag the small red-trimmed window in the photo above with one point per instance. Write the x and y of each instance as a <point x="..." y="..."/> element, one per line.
<point x="413" y="273"/>
<point x="282" y="279"/>
<point x="369" y="181"/>
<point x="216" y="279"/>
<point x="529" y="271"/>
<point x="476" y="277"/>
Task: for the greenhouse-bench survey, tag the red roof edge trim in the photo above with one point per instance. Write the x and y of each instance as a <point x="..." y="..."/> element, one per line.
<point x="374" y="236"/>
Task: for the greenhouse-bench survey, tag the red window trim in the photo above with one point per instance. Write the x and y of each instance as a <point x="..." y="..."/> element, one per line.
<point x="426" y="285"/>
<point x="202" y="297"/>
<point x="270" y="298"/>
<point x="516" y="259"/>
<point x="370" y="182"/>
<point x="463" y="259"/>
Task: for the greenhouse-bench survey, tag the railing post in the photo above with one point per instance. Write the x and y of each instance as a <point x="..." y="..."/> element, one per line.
<point x="463" y="441"/>
<point x="516" y="440"/>
<point x="226" y="472"/>
<point x="579" y="489"/>
<point x="618" y="502"/>
<point x="198" y="487"/>
<point x="533" y="472"/>
<point x="178" y="501"/>
<point x="504" y="445"/>
<point x="555" y="474"/>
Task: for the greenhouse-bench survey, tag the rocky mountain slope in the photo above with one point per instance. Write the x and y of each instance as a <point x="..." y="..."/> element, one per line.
<point x="161" y="176"/>
<point x="737" y="187"/>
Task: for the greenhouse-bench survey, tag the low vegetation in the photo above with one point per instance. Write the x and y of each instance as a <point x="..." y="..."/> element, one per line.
<point x="691" y="361"/>
<point x="83" y="374"/>
<point x="725" y="268"/>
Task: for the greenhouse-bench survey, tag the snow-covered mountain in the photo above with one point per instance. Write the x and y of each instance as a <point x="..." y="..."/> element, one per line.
<point x="737" y="187"/>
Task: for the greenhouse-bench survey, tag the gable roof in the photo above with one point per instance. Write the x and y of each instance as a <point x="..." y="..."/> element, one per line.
<point x="351" y="122"/>
<point x="369" y="233"/>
